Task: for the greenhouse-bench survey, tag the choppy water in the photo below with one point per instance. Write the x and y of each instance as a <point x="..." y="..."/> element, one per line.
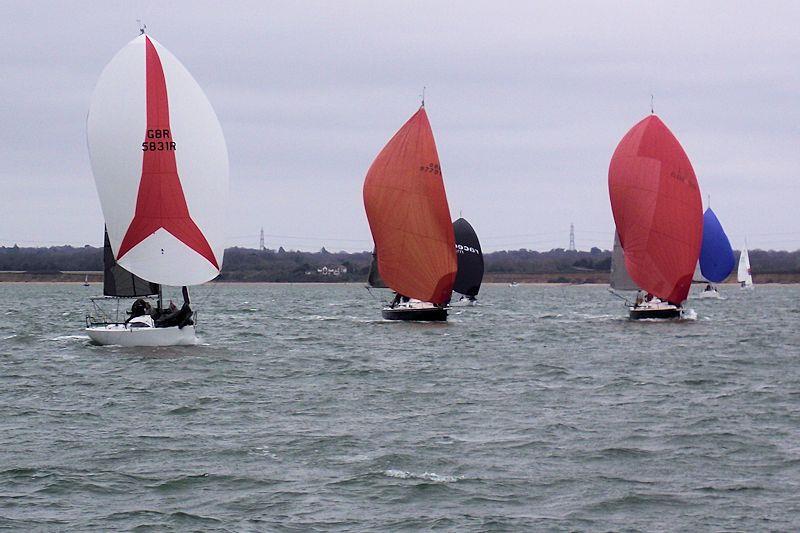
<point x="542" y="409"/>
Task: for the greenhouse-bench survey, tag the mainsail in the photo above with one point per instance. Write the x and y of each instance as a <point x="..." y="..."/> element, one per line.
<point x="408" y="215"/>
<point x="716" y="255"/>
<point x="743" y="274"/>
<point x="620" y="279"/>
<point x="374" y="279"/>
<point x="657" y="209"/>
<point x="119" y="282"/>
<point x="160" y="165"/>
<point x="470" y="259"/>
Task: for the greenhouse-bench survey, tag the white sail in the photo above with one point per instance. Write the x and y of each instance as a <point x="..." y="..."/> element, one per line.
<point x="160" y="165"/>
<point x="698" y="275"/>
<point x="743" y="275"/>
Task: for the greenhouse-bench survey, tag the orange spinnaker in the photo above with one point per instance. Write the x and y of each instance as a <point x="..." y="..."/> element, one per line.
<point x="408" y="214"/>
<point x="657" y="209"/>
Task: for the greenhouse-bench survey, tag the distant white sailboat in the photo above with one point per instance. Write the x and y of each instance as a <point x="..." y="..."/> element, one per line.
<point x="743" y="275"/>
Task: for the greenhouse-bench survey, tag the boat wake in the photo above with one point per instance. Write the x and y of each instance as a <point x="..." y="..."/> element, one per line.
<point x="71" y="338"/>
<point x="689" y="314"/>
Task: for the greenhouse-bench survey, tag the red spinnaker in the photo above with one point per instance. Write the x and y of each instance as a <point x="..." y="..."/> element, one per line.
<point x="408" y="214"/>
<point x="161" y="202"/>
<point x="657" y="209"/>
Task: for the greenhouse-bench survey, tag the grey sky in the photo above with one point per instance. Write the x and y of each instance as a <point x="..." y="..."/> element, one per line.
<point x="527" y="102"/>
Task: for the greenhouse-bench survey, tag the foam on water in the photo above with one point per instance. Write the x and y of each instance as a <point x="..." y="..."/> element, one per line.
<point x="425" y="476"/>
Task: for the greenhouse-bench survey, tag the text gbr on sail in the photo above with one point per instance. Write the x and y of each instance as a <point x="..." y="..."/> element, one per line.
<point x="161" y="140"/>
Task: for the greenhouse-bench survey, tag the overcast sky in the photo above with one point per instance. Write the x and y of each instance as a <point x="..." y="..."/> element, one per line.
<point x="527" y="102"/>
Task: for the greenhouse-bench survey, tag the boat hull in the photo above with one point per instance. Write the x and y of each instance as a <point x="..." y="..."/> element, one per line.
<point x="424" y="314"/>
<point x="710" y="295"/>
<point x="119" y="335"/>
<point x="660" y="312"/>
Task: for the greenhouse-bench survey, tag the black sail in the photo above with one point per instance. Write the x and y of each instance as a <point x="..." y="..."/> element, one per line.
<point x="119" y="282"/>
<point x="470" y="259"/>
<point x="374" y="278"/>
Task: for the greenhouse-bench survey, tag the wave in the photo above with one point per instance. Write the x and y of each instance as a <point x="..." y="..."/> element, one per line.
<point x="425" y="476"/>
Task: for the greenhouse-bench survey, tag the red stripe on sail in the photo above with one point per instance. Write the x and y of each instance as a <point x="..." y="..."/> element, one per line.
<point x="160" y="202"/>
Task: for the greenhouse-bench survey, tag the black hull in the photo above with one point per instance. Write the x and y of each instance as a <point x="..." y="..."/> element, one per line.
<point x="638" y="314"/>
<point x="427" y="314"/>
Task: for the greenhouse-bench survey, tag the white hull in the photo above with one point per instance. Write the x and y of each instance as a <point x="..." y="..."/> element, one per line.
<point x="118" y="334"/>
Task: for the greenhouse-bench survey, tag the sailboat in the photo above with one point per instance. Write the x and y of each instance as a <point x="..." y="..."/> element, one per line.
<point x="470" y="263"/>
<point x="86" y="280"/>
<point x="657" y="210"/>
<point x="409" y="218"/>
<point x="743" y="274"/>
<point x="161" y="169"/>
<point x="716" y="256"/>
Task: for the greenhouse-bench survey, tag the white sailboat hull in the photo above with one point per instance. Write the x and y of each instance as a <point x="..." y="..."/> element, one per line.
<point x="120" y="335"/>
<point x="710" y="295"/>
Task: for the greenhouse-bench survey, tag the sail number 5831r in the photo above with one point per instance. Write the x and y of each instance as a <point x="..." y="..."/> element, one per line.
<point x="159" y="140"/>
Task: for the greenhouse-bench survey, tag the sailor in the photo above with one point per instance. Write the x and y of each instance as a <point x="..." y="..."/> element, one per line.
<point x="639" y="298"/>
<point x="708" y="288"/>
<point x="139" y="308"/>
<point x="177" y="317"/>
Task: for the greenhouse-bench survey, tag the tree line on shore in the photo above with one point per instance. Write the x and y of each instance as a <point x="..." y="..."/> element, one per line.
<point x="247" y="264"/>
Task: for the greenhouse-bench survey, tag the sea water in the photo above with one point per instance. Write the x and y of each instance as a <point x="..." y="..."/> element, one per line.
<point x="543" y="408"/>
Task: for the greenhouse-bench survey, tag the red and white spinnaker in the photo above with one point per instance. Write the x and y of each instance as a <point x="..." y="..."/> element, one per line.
<point x="160" y="165"/>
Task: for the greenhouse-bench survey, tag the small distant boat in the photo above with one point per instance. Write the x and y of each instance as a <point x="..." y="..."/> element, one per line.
<point x="86" y="280"/>
<point x="743" y="274"/>
<point x="655" y="200"/>
<point x="161" y="169"/>
<point x="406" y="205"/>
<point x="470" y="263"/>
<point x="716" y="257"/>
<point x="513" y="284"/>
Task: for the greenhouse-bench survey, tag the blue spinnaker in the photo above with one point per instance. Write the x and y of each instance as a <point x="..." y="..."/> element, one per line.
<point x="716" y="255"/>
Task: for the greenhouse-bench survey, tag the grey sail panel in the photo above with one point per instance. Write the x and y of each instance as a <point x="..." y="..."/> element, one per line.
<point x="119" y="282"/>
<point x="470" y="259"/>
<point x="620" y="279"/>
<point x="698" y="277"/>
<point x="374" y="278"/>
